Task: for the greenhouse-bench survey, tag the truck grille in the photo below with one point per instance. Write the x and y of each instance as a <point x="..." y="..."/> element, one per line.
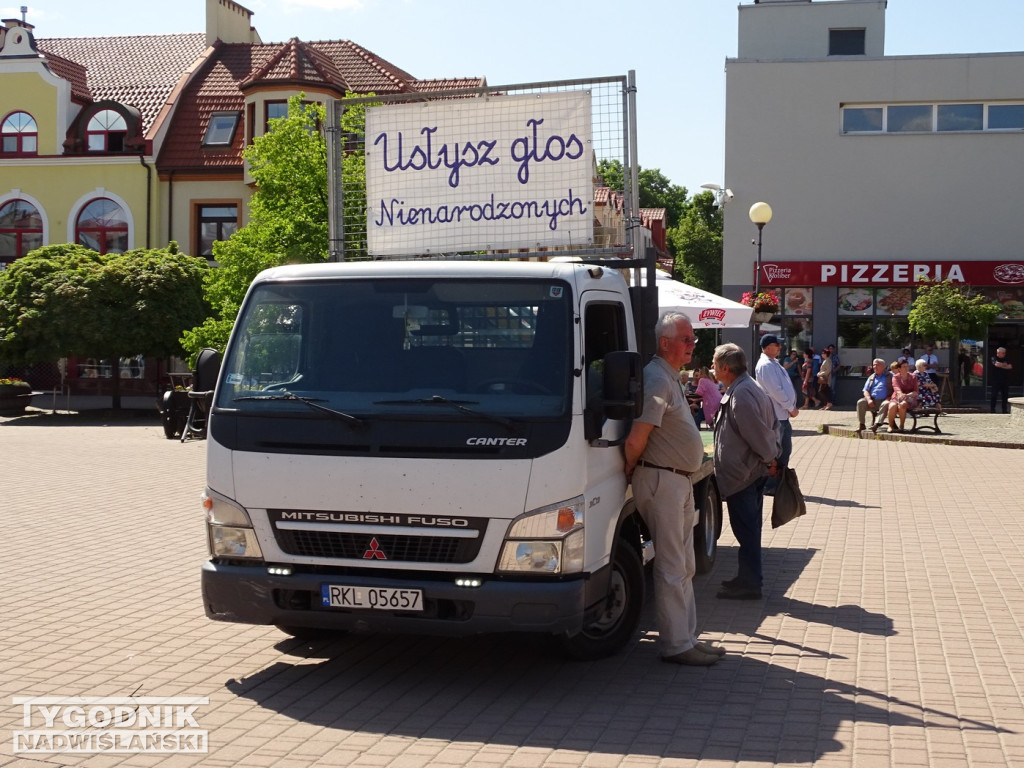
<point x="393" y="548"/>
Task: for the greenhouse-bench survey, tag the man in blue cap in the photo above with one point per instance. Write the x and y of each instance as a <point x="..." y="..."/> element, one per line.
<point x="776" y="382"/>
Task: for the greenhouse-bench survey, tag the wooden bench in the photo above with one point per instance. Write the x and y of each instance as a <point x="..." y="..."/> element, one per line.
<point x="924" y="413"/>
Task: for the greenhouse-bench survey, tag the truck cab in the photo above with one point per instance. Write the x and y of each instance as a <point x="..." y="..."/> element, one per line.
<point x="428" y="446"/>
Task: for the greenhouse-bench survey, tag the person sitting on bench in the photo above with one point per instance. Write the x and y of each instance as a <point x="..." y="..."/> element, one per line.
<point x="904" y="396"/>
<point x="928" y="395"/>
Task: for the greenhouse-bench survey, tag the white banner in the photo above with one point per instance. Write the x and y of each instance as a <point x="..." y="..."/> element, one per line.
<point x="500" y="172"/>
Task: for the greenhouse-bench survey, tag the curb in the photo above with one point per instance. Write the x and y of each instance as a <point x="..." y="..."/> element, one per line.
<point x="910" y="437"/>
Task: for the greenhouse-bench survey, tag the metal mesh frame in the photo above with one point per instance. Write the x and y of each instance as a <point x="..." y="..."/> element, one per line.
<point x="613" y="132"/>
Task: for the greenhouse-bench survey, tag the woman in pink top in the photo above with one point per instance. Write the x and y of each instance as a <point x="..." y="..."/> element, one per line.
<point x="710" y="396"/>
<point x="904" y="395"/>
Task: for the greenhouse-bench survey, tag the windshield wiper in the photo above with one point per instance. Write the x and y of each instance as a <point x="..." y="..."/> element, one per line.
<point x="459" y="405"/>
<point x="313" y="403"/>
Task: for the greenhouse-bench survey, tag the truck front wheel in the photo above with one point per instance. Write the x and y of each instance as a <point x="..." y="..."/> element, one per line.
<point x="620" y="612"/>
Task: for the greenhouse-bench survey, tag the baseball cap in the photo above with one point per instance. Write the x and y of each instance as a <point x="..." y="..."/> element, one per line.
<point x="769" y="338"/>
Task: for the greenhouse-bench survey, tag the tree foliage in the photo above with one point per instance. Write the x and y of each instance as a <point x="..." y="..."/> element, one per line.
<point x="288" y="221"/>
<point x="655" y="189"/>
<point x="950" y="311"/>
<point x="63" y="300"/>
<point x="697" y="244"/>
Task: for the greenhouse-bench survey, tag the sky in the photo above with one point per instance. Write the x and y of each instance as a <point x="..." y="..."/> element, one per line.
<point x="678" y="48"/>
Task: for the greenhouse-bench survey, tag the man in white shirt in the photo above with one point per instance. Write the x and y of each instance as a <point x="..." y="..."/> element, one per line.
<point x="776" y="382"/>
<point x="932" y="361"/>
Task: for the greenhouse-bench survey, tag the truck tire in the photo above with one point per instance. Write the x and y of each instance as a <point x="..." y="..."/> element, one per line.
<point x="709" y="525"/>
<point x="621" y="614"/>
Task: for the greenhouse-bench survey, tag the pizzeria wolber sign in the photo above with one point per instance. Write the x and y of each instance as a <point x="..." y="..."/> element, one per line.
<point x="809" y="273"/>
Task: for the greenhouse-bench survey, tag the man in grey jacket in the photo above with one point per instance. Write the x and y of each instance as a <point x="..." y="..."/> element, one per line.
<point x="747" y="442"/>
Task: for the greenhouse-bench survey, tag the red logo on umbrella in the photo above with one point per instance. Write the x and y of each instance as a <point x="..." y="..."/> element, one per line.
<point x="374" y="553"/>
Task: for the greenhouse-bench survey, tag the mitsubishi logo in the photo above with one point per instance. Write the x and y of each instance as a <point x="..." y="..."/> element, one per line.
<point x="374" y="553"/>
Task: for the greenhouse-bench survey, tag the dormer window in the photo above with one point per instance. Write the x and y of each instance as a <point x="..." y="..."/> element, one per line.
<point x="106" y="132"/>
<point x="19" y="135"/>
<point x="221" y="130"/>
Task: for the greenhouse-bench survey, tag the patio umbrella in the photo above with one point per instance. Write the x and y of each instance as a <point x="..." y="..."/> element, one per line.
<point x="705" y="310"/>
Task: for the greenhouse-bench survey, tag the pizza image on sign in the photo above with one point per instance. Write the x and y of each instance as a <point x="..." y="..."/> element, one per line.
<point x="1009" y="274"/>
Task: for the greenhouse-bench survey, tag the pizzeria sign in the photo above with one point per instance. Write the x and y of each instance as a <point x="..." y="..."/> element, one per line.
<point x="877" y="273"/>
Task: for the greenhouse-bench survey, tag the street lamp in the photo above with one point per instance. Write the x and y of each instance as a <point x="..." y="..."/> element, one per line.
<point x="760" y="214"/>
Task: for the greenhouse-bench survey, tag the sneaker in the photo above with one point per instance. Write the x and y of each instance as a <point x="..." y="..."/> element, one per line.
<point x="692" y="658"/>
<point x="733" y="582"/>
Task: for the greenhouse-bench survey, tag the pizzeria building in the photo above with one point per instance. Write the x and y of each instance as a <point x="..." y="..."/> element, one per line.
<point x="881" y="172"/>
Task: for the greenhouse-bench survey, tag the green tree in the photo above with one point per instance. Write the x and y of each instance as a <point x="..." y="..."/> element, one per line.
<point x="697" y="244"/>
<point x="655" y="189"/>
<point x="287" y="212"/>
<point x="950" y="311"/>
<point x="64" y="300"/>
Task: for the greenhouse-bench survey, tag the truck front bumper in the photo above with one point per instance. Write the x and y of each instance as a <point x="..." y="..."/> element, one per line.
<point x="250" y="595"/>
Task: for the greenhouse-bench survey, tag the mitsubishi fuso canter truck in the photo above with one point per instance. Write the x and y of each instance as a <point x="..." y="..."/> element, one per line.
<point x="434" y="447"/>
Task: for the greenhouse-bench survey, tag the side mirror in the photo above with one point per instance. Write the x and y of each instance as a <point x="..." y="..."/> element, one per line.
<point x="623" y="385"/>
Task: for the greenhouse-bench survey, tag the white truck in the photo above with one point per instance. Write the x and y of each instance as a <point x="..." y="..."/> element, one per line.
<point x="436" y="445"/>
<point x="432" y="447"/>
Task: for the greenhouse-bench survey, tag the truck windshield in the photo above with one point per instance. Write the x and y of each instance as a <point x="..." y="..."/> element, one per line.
<point x="385" y="348"/>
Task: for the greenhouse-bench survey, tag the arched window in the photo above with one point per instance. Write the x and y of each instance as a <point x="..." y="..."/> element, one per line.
<point x="19" y="134"/>
<point x="21" y="230"/>
<point x="102" y="226"/>
<point x="106" y="132"/>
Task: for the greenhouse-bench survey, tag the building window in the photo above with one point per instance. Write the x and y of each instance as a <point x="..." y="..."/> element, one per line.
<point x="221" y="130"/>
<point x="21" y="230"/>
<point x="215" y="222"/>
<point x="106" y="132"/>
<point x="846" y="42"/>
<point x="909" y="118"/>
<point x="929" y="118"/>
<point x="19" y="134"/>
<point x="273" y="110"/>
<point x="862" y="120"/>
<point x="1005" y="117"/>
<point x="872" y="323"/>
<point x="103" y="226"/>
<point x="960" y="117"/>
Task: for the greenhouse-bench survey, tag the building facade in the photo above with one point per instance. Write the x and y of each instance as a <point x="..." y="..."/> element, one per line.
<point x="881" y="171"/>
<point x="130" y="142"/>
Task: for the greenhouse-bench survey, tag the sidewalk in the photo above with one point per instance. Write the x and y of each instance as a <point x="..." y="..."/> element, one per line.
<point x="959" y="427"/>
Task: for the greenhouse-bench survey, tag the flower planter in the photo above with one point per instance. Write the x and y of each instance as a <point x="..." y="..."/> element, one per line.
<point x="14" y="399"/>
<point x="761" y="317"/>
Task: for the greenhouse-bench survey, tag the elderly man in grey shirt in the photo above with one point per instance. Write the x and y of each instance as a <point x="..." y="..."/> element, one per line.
<point x="747" y="443"/>
<point x="663" y="449"/>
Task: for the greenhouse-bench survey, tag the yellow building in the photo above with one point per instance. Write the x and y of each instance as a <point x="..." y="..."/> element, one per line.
<point x="133" y="141"/>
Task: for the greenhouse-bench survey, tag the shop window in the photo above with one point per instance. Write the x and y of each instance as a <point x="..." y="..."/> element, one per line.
<point x="19" y="135"/>
<point x="873" y="323"/>
<point x="215" y="222"/>
<point x="221" y="130"/>
<point x="793" y="321"/>
<point x="106" y="132"/>
<point x="103" y="226"/>
<point x="21" y="230"/>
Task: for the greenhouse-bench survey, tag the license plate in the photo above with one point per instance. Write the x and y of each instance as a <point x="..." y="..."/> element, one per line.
<point x="373" y="598"/>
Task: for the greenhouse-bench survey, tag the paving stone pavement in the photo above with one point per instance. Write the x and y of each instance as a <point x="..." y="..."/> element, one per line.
<point x="890" y="633"/>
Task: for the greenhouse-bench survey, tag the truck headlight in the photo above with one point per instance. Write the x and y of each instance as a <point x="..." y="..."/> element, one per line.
<point x="545" y="540"/>
<point x="229" y="528"/>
